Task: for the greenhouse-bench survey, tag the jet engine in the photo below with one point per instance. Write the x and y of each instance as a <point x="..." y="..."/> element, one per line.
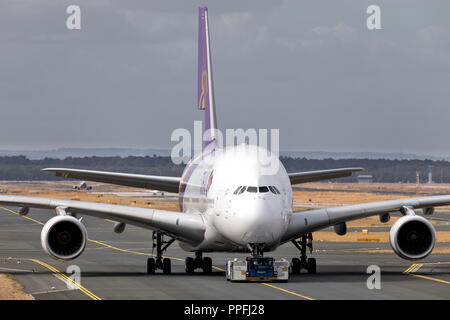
<point x="64" y="237"/>
<point x="412" y="237"/>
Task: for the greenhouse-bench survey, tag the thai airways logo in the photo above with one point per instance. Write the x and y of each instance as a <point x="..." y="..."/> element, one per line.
<point x="203" y="95"/>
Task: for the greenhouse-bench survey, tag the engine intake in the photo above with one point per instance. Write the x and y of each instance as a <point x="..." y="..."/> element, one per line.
<point x="64" y="237"/>
<point x="412" y="237"/>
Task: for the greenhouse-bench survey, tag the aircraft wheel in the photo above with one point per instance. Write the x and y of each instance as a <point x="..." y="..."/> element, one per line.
<point x="295" y="265"/>
<point x="311" y="266"/>
<point x="189" y="262"/>
<point x="151" y="266"/>
<point x="207" y="265"/>
<point x="166" y="266"/>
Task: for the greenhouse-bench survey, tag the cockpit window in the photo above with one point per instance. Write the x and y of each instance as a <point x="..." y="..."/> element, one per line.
<point x="242" y="190"/>
<point x="274" y="190"/>
<point x="262" y="189"/>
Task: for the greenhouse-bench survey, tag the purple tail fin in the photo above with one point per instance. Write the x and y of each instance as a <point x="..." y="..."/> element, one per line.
<point x="205" y="86"/>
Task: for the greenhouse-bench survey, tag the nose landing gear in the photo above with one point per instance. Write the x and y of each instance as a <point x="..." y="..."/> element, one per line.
<point x="257" y="249"/>
<point x="304" y="263"/>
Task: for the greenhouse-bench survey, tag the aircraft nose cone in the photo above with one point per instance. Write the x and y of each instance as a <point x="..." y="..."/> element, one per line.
<point x="260" y="222"/>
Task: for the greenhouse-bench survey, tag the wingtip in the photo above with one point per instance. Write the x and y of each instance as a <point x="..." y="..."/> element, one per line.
<point x="50" y="169"/>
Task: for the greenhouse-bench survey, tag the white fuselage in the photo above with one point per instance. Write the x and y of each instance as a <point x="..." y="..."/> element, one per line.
<point x="233" y="221"/>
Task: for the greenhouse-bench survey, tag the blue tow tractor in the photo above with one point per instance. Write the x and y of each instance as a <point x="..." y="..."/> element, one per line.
<point x="258" y="269"/>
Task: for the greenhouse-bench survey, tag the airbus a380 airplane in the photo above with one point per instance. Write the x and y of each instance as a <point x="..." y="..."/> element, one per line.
<point x="228" y="203"/>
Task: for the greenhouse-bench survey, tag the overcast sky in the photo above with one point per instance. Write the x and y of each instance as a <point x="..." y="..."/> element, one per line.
<point x="310" y="68"/>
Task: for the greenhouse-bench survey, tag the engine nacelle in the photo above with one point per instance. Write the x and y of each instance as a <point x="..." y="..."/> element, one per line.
<point x="412" y="237"/>
<point x="340" y="228"/>
<point x="64" y="237"/>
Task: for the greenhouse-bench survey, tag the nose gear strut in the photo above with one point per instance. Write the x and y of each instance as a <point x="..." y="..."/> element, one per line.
<point x="257" y="249"/>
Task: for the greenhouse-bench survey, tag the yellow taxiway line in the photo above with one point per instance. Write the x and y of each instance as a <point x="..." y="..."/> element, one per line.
<point x="16" y="213"/>
<point x="67" y="279"/>
<point x="93" y="296"/>
<point x="287" y="291"/>
<point x="428" y="278"/>
<point x="275" y="287"/>
<point x="410" y="270"/>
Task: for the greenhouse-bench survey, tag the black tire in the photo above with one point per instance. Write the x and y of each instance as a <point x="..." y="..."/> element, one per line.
<point x="167" y="266"/>
<point x="295" y="266"/>
<point x="151" y="266"/>
<point x="207" y="265"/>
<point x="189" y="263"/>
<point x="311" y="266"/>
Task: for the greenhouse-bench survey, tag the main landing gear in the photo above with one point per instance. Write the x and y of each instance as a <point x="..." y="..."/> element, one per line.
<point x="161" y="263"/>
<point x="164" y="264"/>
<point x="199" y="262"/>
<point x="304" y="263"/>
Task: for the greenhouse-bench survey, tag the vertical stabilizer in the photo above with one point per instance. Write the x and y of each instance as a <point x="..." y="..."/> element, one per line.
<point x="205" y="99"/>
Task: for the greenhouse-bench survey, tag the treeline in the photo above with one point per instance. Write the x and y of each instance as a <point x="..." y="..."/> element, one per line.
<point x="22" y="168"/>
<point x="382" y="170"/>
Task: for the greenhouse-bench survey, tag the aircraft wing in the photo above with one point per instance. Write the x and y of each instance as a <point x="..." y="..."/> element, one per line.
<point x="188" y="227"/>
<point x="303" y="222"/>
<point x="161" y="183"/>
<point x="318" y="175"/>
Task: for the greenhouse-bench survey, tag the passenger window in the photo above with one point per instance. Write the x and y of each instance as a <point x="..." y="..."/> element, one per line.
<point x="252" y="189"/>
<point x="263" y="189"/>
<point x="237" y="190"/>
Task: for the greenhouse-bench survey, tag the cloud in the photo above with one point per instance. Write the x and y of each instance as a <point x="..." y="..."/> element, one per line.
<point x="312" y="69"/>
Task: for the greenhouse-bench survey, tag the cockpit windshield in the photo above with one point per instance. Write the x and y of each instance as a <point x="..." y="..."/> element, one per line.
<point x="253" y="189"/>
<point x="237" y="190"/>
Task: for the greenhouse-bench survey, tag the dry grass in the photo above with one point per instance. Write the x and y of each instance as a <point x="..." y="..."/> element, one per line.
<point x="49" y="190"/>
<point x="433" y="188"/>
<point x="10" y="289"/>
<point x="338" y="194"/>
